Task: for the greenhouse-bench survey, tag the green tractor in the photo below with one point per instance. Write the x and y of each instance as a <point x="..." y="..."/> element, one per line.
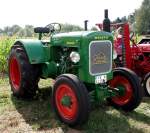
<point x="81" y="64"/>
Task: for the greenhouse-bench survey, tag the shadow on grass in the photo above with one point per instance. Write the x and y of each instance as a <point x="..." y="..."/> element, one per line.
<point x="141" y="115"/>
<point x="108" y="120"/>
<point x="39" y="114"/>
<point x="146" y="100"/>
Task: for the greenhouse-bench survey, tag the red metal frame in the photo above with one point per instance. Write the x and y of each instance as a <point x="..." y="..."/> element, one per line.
<point x="133" y="52"/>
<point x="127" y="46"/>
<point x="117" y="25"/>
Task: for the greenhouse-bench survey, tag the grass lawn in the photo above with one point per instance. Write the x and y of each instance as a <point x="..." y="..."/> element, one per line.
<point x="19" y="116"/>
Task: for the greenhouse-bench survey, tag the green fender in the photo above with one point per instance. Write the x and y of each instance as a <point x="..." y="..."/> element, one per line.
<point x="36" y="51"/>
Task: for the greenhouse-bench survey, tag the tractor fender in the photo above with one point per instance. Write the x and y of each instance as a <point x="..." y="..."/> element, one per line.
<point x="36" y="51"/>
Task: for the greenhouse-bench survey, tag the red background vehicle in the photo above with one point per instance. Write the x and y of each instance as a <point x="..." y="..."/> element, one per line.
<point x="134" y="56"/>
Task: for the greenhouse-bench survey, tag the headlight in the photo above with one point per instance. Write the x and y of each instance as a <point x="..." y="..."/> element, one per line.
<point x="75" y="57"/>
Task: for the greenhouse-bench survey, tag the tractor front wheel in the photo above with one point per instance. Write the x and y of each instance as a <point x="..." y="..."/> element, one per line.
<point x="23" y="76"/>
<point x="129" y="89"/>
<point x="70" y="100"/>
<point x="146" y="84"/>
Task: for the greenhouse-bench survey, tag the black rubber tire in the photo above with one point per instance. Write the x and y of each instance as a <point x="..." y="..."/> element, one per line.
<point x="147" y="90"/>
<point x="82" y="97"/>
<point x="136" y="98"/>
<point x="29" y="73"/>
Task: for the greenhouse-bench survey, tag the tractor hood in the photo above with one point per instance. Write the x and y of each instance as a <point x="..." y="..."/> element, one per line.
<point x="75" y="38"/>
<point x="89" y="44"/>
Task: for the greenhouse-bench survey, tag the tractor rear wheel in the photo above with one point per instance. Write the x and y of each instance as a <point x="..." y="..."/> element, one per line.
<point x="70" y="100"/>
<point x="23" y="76"/>
<point x="129" y="94"/>
<point x="146" y="84"/>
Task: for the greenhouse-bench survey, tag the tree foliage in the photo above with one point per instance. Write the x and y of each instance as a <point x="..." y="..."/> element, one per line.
<point x="139" y="20"/>
<point x="94" y="28"/>
<point x="120" y="20"/>
<point x="142" y="17"/>
<point x="28" y="30"/>
<point x="70" y="27"/>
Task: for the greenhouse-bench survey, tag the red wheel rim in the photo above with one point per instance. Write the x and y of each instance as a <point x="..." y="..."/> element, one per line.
<point x="68" y="113"/>
<point x="14" y="72"/>
<point x="122" y="81"/>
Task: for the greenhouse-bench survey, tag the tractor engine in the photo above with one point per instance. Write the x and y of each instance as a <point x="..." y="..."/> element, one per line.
<point x="84" y="54"/>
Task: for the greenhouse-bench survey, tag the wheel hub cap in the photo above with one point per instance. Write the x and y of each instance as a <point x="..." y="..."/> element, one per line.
<point x="66" y="101"/>
<point x="125" y="90"/>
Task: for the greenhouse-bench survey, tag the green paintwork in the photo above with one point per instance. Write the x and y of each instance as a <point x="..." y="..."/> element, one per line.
<point x="81" y="40"/>
<point x="49" y="69"/>
<point x="71" y="39"/>
<point x="53" y="57"/>
<point x="66" y="101"/>
<point x="36" y="51"/>
<point x="102" y="91"/>
<point x="121" y="90"/>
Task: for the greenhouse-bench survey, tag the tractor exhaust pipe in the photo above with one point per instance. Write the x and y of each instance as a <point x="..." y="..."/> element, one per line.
<point x="106" y="21"/>
<point x="86" y="25"/>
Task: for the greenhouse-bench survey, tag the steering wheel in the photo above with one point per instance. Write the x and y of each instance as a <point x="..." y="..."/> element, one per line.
<point x="54" y="27"/>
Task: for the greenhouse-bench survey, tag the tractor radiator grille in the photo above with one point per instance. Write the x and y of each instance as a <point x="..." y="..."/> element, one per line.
<point x="100" y="57"/>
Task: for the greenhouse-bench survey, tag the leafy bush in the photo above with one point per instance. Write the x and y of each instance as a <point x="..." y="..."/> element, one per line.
<point x="5" y="45"/>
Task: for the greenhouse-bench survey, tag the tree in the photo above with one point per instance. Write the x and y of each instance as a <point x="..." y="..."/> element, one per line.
<point x="124" y="19"/>
<point x="131" y="18"/>
<point x="117" y="20"/>
<point x="132" y="23"/>
<point x="21" y="33"/>
<point x="69" y="27"/>
<point x="29" y="30"/>
<point x="7" y="31"/>
<point x="143" y="18"/>
<point x="94" y="28"/>
<point x="14" y="29"/>
<point x="1" y="30"/>
<point x="120" y="20"/>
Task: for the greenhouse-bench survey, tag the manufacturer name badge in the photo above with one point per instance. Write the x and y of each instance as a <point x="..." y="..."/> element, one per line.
<point x="100" y="79"/>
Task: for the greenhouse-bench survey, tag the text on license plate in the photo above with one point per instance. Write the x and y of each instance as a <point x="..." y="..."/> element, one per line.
<point x="100" y="79"/>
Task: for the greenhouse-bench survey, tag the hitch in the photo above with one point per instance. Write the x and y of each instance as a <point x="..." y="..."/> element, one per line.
<point x="119" y="91"/>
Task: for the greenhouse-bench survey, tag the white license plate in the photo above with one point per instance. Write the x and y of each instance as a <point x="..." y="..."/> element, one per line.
<point x="100" y="79"/>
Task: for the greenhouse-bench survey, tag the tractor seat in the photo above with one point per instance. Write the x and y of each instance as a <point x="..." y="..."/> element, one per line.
<point x="41" y="30"/>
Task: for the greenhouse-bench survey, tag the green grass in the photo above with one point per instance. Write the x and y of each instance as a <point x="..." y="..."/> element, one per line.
<point x="17" y="115"/>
